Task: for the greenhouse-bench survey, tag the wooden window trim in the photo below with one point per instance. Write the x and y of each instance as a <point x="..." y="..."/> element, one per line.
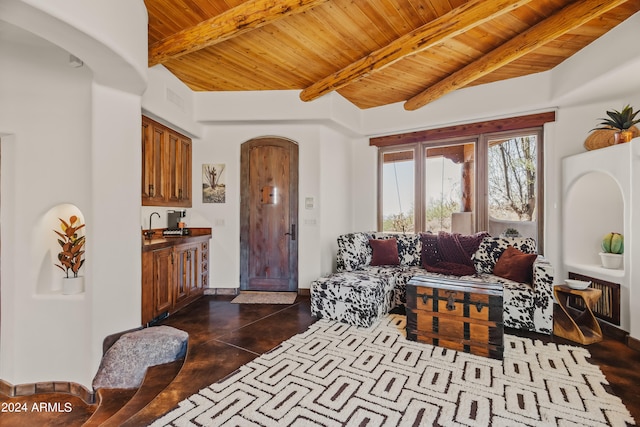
<point x="465" y="130"/>
<point x="416" y="141"/>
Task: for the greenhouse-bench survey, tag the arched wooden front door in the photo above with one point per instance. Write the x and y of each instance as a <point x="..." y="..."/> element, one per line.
<point x="269" y="215"/>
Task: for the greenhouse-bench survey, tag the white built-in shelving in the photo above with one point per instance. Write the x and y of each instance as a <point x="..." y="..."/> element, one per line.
<point x="599" y="197"/>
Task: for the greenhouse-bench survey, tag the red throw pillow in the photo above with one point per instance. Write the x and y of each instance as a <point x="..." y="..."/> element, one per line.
<point x="515" y="265"/>
<point x="385" y="251"/>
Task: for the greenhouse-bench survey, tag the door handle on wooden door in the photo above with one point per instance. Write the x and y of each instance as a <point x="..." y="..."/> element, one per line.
<point x="292" y="233"/>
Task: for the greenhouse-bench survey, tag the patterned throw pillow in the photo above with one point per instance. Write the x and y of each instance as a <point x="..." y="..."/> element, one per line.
<point x="354" y="251"/>
<point x="491" y="248"/>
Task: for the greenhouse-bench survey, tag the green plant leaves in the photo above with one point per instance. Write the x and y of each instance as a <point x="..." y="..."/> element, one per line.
<point x="621" y="120"/>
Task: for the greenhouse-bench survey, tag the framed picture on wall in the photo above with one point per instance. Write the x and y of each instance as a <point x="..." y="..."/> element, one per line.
<point x="214" y="189"/>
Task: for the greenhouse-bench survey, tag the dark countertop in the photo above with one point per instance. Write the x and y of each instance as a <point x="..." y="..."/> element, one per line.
<point x="158" y="241"/>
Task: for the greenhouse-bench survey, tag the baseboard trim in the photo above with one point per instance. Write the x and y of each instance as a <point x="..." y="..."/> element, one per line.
<point x="236" y="291"/>
<point x="221" y="291"/>
<point x="633" y="343"/>
<point x="71" y="388"/>
<point x="612" y="331"/>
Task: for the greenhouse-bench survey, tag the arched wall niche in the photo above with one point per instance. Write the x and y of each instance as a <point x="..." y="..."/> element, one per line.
<point x="46" y="247"/>
<point x="594" y="206"/>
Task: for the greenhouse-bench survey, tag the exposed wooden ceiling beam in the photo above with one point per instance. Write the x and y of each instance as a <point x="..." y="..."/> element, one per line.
<point x="240" y="19"/>
<point x="570" y="17"/>
<point x="449" y="25"/>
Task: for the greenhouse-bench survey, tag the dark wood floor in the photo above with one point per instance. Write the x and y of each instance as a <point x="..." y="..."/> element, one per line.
<point x="224" y="336"/>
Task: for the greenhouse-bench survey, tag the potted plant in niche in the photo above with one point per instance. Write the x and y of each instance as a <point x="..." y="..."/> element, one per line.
<point x="621" y="122"/>
<point x="71" y="256"/>
<point x="510" y="232"/>
<point x="612" y="249"/>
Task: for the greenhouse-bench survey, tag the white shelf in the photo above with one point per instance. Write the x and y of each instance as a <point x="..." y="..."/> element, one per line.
<point x="58" y="295"/>
<point x="595" y="270"/>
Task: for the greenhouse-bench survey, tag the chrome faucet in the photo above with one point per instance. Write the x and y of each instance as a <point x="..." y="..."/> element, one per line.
<point x="149" y="232"/>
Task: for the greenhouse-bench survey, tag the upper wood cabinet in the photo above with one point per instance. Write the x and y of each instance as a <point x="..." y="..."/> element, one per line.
<point x="154" y="157"/>
<point x="166" y="166"/>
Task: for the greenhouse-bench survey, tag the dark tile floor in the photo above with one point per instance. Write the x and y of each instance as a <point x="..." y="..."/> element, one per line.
<point x="224" y="336"/>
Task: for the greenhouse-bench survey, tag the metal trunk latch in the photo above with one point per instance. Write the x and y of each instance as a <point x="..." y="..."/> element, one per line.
<point x="451" y="301"/>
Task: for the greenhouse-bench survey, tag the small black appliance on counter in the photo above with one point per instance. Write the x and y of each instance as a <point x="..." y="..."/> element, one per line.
<point x="175" y="224"/>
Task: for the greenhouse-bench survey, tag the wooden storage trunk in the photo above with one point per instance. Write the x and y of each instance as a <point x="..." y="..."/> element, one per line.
<point x="456" y="314"/>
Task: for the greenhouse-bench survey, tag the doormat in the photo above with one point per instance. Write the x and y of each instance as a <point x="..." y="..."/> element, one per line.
<point x="251" y="297"/>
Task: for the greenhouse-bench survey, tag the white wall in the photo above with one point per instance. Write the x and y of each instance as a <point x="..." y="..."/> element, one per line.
<point x="336" y="197"/>
<point x="45" y="106"/>
<point x="110" y="36"/>
<point x="69" y="136"/>
<point x="116" y="168"/>
<point x="167" y="97"/>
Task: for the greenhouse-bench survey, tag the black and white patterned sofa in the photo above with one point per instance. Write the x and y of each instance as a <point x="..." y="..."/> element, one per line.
<point x="360" y="293"/>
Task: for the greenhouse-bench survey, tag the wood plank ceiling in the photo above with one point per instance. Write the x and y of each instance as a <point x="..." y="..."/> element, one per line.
<point x="372" y="52"/>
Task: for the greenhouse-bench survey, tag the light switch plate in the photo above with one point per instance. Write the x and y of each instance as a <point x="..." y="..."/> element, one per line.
<point x="309" y="203"/>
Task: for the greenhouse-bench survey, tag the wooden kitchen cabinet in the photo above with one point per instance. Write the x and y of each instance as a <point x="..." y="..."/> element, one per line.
<point x="175" y="272"/>
<point x="162" y="272"/>
<point x="166" y="166"/>
<point x="179" y="170"/>
<point x="153" y="160"/>
<point x="157" y="283"/>
<point x="188" y="277"/>
<point x="204" y="265"/>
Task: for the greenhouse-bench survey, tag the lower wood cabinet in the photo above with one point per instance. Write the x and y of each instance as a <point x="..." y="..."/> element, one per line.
<point x="162" y="278"/>
<point x="175" y="272"/>
<point x="188" y="279"/>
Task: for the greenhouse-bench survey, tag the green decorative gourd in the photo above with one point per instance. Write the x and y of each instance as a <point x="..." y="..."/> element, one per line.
<point x="613" y="243"/>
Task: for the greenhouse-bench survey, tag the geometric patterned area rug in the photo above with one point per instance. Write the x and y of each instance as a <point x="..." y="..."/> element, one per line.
<point x="339" y="375"/>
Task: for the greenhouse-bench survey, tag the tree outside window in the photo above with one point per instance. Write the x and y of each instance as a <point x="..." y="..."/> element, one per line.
<point x="512" y="175"/>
